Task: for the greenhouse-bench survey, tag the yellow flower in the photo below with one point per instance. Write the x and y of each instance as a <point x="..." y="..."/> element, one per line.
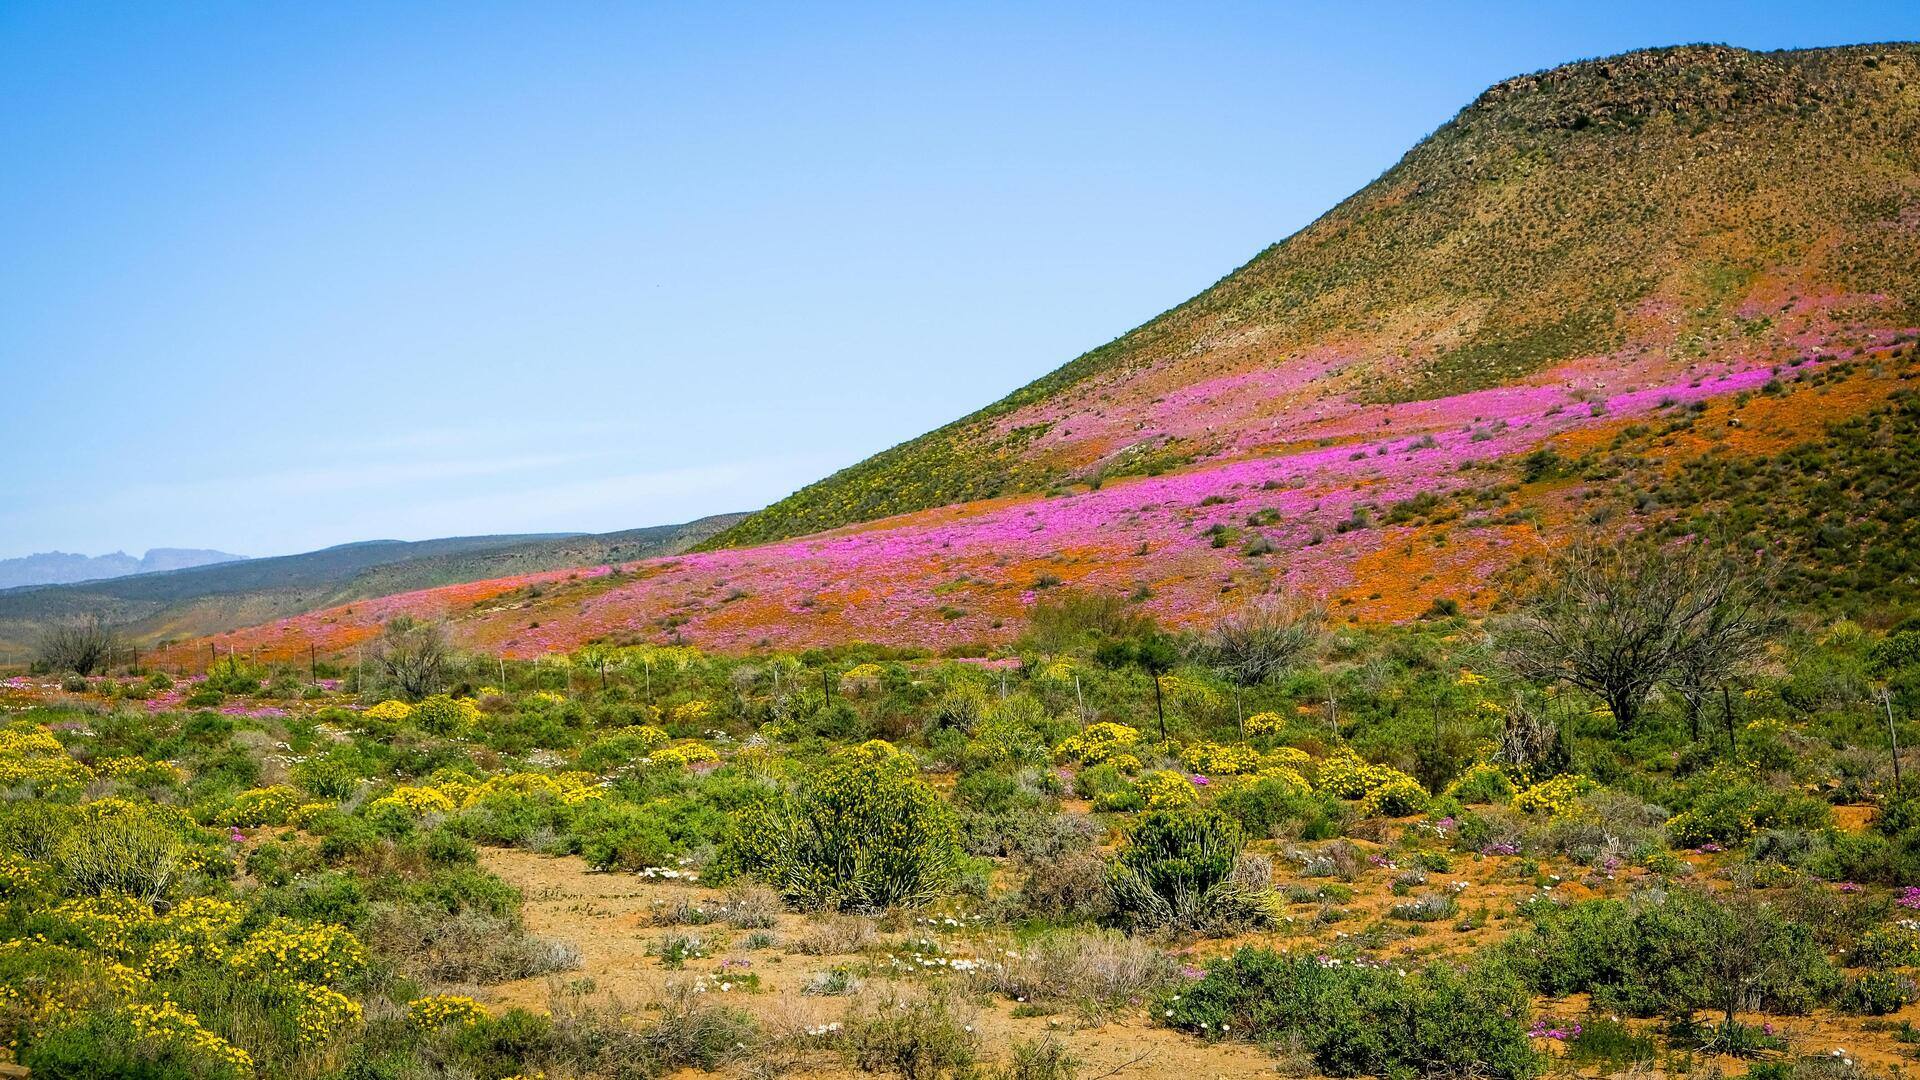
<point x="390" y="710"/>
<point x="438" y="1010"/>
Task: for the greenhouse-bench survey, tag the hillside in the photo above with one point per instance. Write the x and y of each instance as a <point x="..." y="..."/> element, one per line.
<point x="1667" y="207"/>
<point x="1591" y="286"/>
<point x="205" y="600"/>
<point x="65" y="568"/>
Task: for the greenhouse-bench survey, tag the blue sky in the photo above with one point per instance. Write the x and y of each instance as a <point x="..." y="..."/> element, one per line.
<point x="277" y="276"/>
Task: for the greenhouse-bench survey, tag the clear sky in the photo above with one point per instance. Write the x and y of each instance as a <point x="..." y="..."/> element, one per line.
<point x="278" y="276"/>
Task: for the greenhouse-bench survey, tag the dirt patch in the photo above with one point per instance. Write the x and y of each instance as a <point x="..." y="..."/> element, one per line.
<point x="610" y="918"/>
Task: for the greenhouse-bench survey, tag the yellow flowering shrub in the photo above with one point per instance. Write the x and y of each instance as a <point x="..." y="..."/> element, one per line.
<point x="692" y="712"/>
<point x="110" y="924"/>
<point x="1346" y="774"/>
<point x="285" y="951"/>
<point x="1098" y="743"/>
<point x="545" y="699"/>
<point x="1163" y="790"/>
<point x="303" y="815"/>
<point x="1220" y="759"/>
<point x="570" y="788"/>
<point x="1483" y="782"/>
<point x="168" y="1025"/>
<point x="261" y="806"/>
<point x="1555" y="797"/>
<point x="1059" y="671"/>
<point x="137" y="770"/>
<point x="1189" y="692"/>
<point x="1003" y="737"/>
<point x="1265" y="723"/>
<point x="1396" y="795"/>
<point x="443" y="715"/>
<point x="439" y="1010"/>
<point x="683" y="754"/>
<point x="871" y="751"/>
<point x="1287" y="776"/>
<point x="414" y="801"/>
<point x="389" y="710"/>
<point x="861" y="678"/>
<point x="21" y="876"/>
<point x="1287" y="757"/>
<point x="320" y="1014"/>
<point x="33" y="758"/>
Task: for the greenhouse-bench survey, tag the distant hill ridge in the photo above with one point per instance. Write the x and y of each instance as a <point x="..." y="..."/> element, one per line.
<point x="207" y="599"/>
<point x="61" y="568"/>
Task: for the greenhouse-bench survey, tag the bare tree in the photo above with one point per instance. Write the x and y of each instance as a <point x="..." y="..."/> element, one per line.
<point x="1266" y="639"/>
<point x="1729" y="636"/>
<point x="1616" y="619"/>
<point x="410" y="656"/>
<point x="82" y="647"/>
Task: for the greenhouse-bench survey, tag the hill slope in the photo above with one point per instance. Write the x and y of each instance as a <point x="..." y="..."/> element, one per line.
<point x="1698" y="202"/>
<point x="1592" y="284"/>
<point x="205" y="600"/>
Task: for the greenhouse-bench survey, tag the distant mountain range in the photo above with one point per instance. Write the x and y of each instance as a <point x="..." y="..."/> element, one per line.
<point x="64" y="568"/>
<point x="156" y="607"/>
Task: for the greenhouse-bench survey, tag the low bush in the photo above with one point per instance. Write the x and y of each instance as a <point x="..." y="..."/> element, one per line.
<point x="917" y="1037"/>
<point x="865" y="834"/>
<point x="1359" y="1020"/>
<point x="1176" y="871"/>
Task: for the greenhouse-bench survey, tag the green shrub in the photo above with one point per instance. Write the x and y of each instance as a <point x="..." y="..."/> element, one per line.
<point x="1358" y="1020"/>
<point x="1662" y="956"/>
<point x="863" y="834"/>
<point x="918" y="1038"/>
<point x="1176" y="870"/>
<point x="1877" y="993"/>
<point x="125" y="852"/>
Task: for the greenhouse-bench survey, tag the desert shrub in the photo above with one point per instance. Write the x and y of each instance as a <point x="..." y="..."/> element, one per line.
<point x="1657" y="955"/>
<point x="625" y="836"/>
<point x="1727" y="806"/>
<point x="1038" y="1059"/>
<point x="1068" y="888"/>
<point x="1877" y="993"/>
<point x="918" y="1037"/>
<point x="261" y="806"/>
<point x="1176" y="870"/>
<point x="1096" y="968"/>
<point x="232" y="674"/>
<point x="1275" y="807"/>
<point x="692" y="1032"/>
<point x="1358" y="1020"/>
<point x="621" y="748"/>
<point x="1428" y="907"/>
<point x="1482" y="783"/>
<point x="1610" y="1043"/>
<point x="1033" y="836"/>
<point x="121" y="851"/>
<point x="470" y="945"/>
<point x="1888" y="947"/>
<point x="863" y="834"/>
<point x="439" y="714"/>
<point x="830" y="934"/>
<point x="751" y="907"/>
